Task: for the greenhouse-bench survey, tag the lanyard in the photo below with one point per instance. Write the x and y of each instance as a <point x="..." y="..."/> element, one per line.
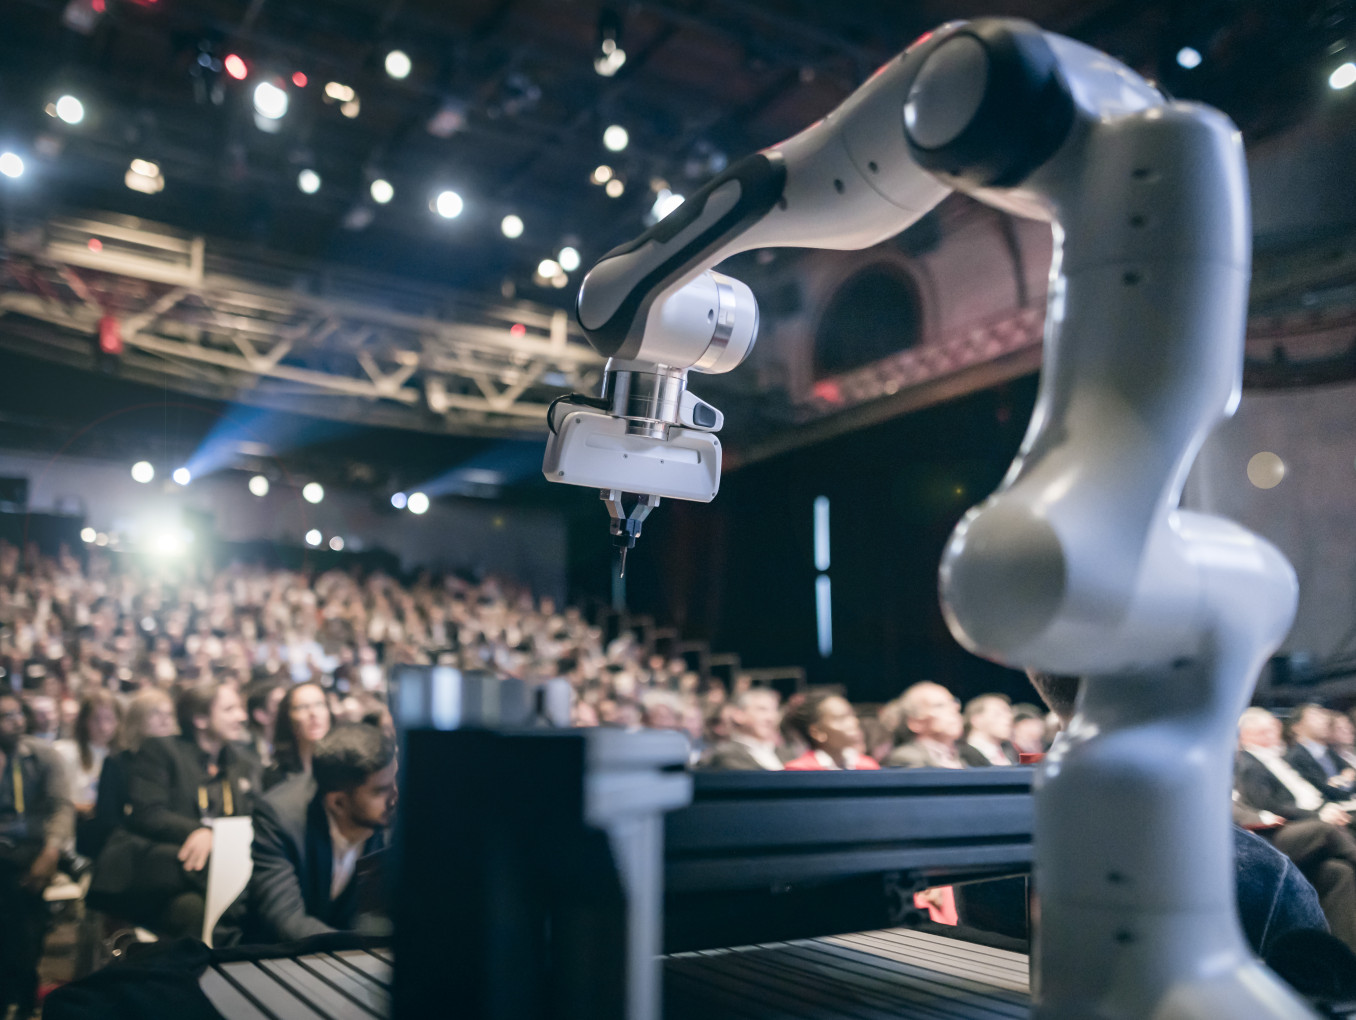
<point x="227" y="802"/>
<point x="18" y="787"/>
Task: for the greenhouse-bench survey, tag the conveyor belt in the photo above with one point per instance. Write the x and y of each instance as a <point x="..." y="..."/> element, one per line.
<point x="896" y="974"/>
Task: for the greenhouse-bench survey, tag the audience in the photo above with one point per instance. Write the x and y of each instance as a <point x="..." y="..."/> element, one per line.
<point x="37" y="822"/>
<point x="310" y="831"/>
<point x="932" y="725"/>
<point x="302" y="718"/>
<point x="754" y="721"/>
<point x="832" y="732"/>
<point x="988" y="732"/>
<point x="1268" y="782"/>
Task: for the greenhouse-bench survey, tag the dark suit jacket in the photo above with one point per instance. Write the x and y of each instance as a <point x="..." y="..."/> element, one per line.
<point x="731" y="754"/>
<point x="140" y="858"/>
<point x="294" y="865"/>
<point x="975" y="758"/>
<point x="1263" y="791"/>
<point x="1312" y="769"/>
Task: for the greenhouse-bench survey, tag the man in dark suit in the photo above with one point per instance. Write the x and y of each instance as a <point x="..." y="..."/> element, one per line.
<point x="988" y="732"/>
<point x="155" y="867"/>
<point x="1267" y="781"/>
<point x="755" y="719"/>
<point x="310" y="831"/>
<point x="1311" y="729"/>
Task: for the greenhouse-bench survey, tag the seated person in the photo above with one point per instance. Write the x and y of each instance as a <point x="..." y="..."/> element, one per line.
<point x="37" y="822"/>
<point x="932" y="727"/>
<point x="96" y="727"/>
<point x="1310" y="756"/>
<point x="988" y="732"/>
<point x="754" y="720"/>
<point x="827" y="723"/>
<point x="155" y="865"/>
<point x="310" y="831"/>
<point x="301" y="719"/>
<point x="149" y="714"/>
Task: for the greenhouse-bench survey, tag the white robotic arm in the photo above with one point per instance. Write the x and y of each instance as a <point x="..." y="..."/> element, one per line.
<point x="1082" y="562"/>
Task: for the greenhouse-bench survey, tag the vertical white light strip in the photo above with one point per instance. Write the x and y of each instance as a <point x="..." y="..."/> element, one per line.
<point x="824" y="615"/>
<point x="821" y="532"/>
<point x="446" y="698"/>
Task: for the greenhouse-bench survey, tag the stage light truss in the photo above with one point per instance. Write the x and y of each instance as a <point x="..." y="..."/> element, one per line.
<point x="327" y="343"/>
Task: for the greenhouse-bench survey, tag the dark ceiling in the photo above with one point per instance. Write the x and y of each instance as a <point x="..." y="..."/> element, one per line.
<point x="519" y="111"/>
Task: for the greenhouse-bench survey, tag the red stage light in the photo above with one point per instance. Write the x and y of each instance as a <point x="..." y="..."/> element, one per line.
<point x="299" y="79"/>
<point x="99" y="6"/>
<point x="518" y="329"/>
<point x="236" y="67"/>
<point x="95" y="244"/>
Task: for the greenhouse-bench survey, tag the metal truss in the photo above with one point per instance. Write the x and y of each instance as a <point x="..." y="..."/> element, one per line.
<point x="335" y="345"/>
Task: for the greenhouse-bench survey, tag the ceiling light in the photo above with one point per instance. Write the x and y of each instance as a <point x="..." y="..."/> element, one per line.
<point x="560" y="282"/>
<point x="1189" y="57"/>
<point x="259" y="486"/>
<point x="88" y="535"/>
<point x="614" y="188"/>
<point x="398" y="500"/>
<point x="11" y="165"/>
<point x="548" y="269"/>
<point x="182" y="476"/>
<point x="143" y="472"/>
<point x="512" y="226"/>
<point x="337" y="543"/>
<point x="615" y="138"/>
<point x="568" y="259"/>
<point x="448" y="205"/>
<point x="144" y="176"/>
<point x="382" y="192"/>
<point x="299" y="79"/>
<point x="313" y="536"/>
<point x="100" y="539"/>
<point x="398" y="64"/>
<point x="609" y="63"/>
<point x="313" y="492"/>
<point x="235" y="67"/>
<point x="601" y="174"/>
<point x="339" y="93"/>
<point x="418" y="503"/>
<point x="70" y="109"/>
<point x="351" y="108"/>
<point x="308" y="181"/>
<point x="269" y="100"/>
<point x="1344" y="76"/>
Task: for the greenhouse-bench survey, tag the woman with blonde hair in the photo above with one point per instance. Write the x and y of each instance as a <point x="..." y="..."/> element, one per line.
<point x="149" y="714"/>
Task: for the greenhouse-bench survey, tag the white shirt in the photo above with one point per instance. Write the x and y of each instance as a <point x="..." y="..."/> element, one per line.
<point x="345" y="860"/>
<point x="764" y="752"/>
<point x="84" y="782"/>
<point x="1306" y="797"/>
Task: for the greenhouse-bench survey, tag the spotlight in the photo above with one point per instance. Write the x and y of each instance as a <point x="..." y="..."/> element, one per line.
<point x="313" y="492"/>
<point x="614" y="188"/>
<point x="145" y="177"/>
<point x="609" y="56"/>
<point x="548" y="269"/>
<point x="1189" y="57"/>
<point x="615" y="138"/>
<point x="182" y="476"/>
<point x="269" y="100"/>
<point x="101" y="539"/>
<point x="235" y="66"/>
<point x="313" y="536"/>
<point x="308" y="181"/>
<point x="382" y="192"/>
<point x="339" y="93"/>
<point x="512" y="226"/>
<point x="11" y="165"/>
<point x="448" y="205"/>
<point x="337" y="543"/>
<point x="1344" y="76"/>
<point x="88" y="535"/>
<point x="70" y="109"/>
<point x="299" y="79"/>
<point x="398" y="501"/>
<point x="398" y="64"/>
<point x="350" y="109"/>
<point x="601" y="174"/>
<point x="143" y="472"/>
<point x="259" y="486"/>
<point x="418" y="503"/>
<point x="568" y="259"/>
<point x="560" y="282"/>
<point x="167" y="543"/>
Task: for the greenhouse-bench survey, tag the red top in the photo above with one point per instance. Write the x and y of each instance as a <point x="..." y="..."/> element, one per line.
<point x="807" y="762"/>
